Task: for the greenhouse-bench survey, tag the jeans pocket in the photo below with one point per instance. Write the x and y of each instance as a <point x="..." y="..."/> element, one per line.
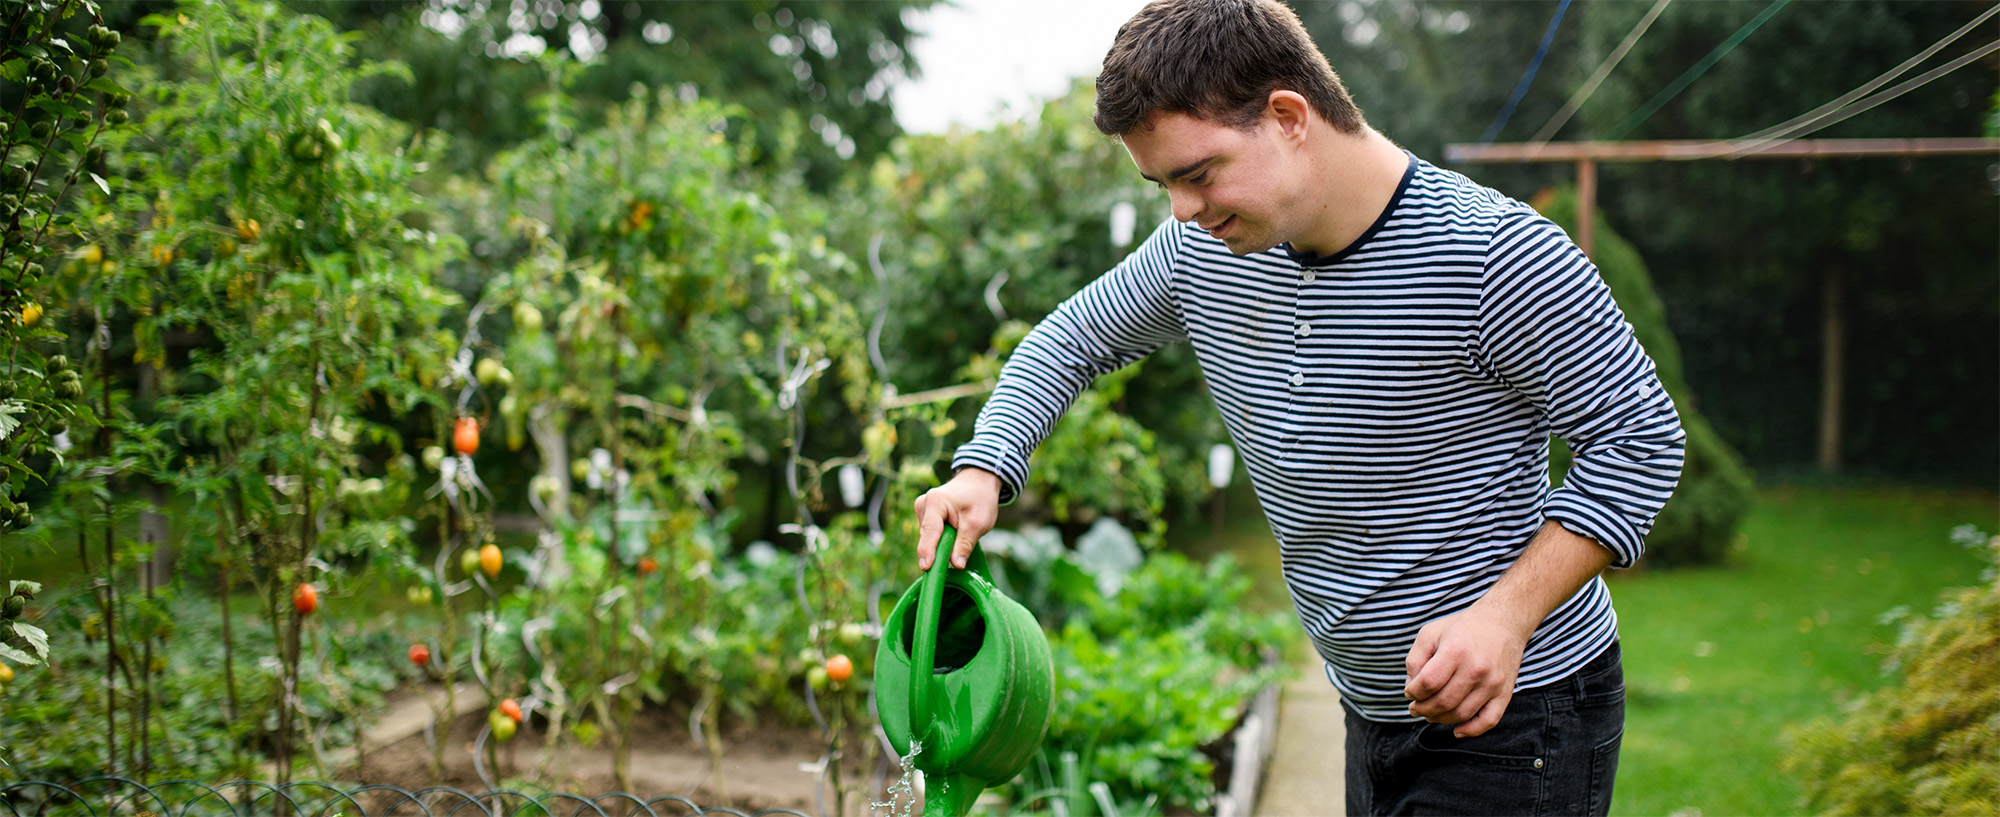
<point x="1499" y="772"/>
<point x="1507" y="748"/>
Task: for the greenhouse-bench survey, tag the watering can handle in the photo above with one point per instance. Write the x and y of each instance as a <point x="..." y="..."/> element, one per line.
<point x="923" y="654"/>
<point x="923" y="657"/>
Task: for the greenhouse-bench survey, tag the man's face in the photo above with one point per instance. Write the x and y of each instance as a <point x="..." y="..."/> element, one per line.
<point x="1230" y="182"/>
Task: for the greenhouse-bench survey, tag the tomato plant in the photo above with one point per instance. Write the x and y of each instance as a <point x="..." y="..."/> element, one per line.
<point x="264" y="214"/>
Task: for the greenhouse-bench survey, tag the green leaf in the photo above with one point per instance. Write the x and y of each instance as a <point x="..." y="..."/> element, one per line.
<point x="8" y="410"/>
<point x="30" y="50"/>
<point x="52" y="106"/>
<point x="17" y="585"/>
<point x="62" y="44"/>
<point x="15" y="70"/>
<point x="101" y="184"/>
<point x="17" y="656"/>
<point x="37" y="640"/>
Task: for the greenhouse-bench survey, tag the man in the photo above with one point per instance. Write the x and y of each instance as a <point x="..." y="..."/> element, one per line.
<point x="1391" y="346"/>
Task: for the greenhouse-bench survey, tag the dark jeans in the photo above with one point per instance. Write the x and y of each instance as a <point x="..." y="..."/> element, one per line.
<point x="1555" y="751"/>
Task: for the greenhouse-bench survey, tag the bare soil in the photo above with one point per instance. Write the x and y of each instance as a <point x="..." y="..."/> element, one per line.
<point x="765" y="765"/>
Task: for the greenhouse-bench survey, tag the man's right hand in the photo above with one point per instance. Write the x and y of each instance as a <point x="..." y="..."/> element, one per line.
<point x="970" y="502"/>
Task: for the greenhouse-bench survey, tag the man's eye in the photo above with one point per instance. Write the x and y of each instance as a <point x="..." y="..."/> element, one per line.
<point x="1201" y="178"/>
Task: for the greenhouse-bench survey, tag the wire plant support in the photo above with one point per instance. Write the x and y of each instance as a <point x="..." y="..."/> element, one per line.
<point x="242" y="798"/>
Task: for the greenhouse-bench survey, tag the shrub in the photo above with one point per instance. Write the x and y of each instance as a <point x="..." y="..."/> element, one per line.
<point x="1929" y="743"/>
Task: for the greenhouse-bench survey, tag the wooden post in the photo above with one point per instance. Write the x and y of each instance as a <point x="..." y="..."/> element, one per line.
<point x="1586" y="205"/>
<point x="1832" y="365"/>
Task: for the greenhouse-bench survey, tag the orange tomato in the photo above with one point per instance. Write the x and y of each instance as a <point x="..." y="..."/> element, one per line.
<point x="648" y="565"/>
<point x="489" y="561"/>
<point x="465" y="436"/>
<point x="305" y="599"/>
<point x="511" y="709"/>
<point x="839" y="669"/>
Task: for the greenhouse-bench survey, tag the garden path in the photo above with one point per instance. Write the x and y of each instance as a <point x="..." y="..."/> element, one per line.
<point x="1304" y="777"/>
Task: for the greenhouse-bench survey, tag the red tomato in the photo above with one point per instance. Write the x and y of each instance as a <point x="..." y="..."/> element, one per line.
<point x="839" y="669"/>
<point x="648" y="565"/>
<point x="420" y="655"/>
<point x="305" y="599"/>
<point x="511" y="709"/>
<point x="465" y="436"/>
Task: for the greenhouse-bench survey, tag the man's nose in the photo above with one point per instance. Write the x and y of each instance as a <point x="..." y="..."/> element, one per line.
<point x="1186" y="205"/>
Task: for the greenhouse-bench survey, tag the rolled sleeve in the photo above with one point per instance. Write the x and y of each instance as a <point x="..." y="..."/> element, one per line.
<point x="1551" y="330"/>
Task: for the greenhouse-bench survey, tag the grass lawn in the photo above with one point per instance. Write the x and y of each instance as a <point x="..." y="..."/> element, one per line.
<point x="1719" y="661"/>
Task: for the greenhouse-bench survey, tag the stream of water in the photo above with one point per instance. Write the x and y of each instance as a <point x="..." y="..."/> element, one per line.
<point x="902" y="800"/>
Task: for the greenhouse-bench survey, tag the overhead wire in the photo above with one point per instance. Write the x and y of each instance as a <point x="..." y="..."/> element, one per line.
<point x="1597" y="77"/>
<point x="1527" y="77"/>
<point x="1791" y="126"/>
<point x="1695" y="71"/>
<point x="1843" y="114"/>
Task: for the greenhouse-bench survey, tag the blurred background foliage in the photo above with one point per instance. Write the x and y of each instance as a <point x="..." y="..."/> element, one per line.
<point x="1741" y="253"/>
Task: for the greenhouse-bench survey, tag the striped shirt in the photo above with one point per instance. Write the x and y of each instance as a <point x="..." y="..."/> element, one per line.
<point x="1392" y="404"/>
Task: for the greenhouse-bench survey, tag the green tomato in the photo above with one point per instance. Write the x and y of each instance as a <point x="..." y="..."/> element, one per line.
<point x="469" y="561"/>
<point x="527" y="318"/>
<point x="544" y="487"/>
<point x="488" y="372"/>
<point x="503" y="726"/>
<point x="850" y="634"/>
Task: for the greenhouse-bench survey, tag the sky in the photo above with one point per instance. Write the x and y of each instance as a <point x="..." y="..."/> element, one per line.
<point x="984" y="60"/>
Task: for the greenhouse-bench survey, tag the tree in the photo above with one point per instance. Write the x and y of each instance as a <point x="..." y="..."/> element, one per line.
<point x="812" y="75"/>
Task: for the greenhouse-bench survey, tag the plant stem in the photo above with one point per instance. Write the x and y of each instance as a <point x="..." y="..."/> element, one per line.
<point x="146" y="682"/>
<point x="224" y="541"/>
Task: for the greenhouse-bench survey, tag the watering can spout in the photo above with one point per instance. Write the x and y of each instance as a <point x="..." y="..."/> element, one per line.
<point x="965" y="672"/>
<point x="951" y="795"/>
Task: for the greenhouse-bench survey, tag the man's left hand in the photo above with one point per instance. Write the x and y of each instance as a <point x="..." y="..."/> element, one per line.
<point x="1462" y="670"/>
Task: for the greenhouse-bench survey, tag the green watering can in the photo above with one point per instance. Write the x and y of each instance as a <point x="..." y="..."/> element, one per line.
<point x="965" y="671"/>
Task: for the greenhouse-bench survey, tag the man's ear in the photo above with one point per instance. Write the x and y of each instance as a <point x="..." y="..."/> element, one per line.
<point x="1290" y="112"/>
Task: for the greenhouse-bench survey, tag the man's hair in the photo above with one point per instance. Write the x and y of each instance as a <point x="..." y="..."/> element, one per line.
<point x="1217" y="60"/>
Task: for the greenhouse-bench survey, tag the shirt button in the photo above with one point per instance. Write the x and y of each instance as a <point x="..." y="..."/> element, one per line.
<point x="1298" y="379"/>
<point x="1310" y="275"/>
<point x="1305" y="330"/>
